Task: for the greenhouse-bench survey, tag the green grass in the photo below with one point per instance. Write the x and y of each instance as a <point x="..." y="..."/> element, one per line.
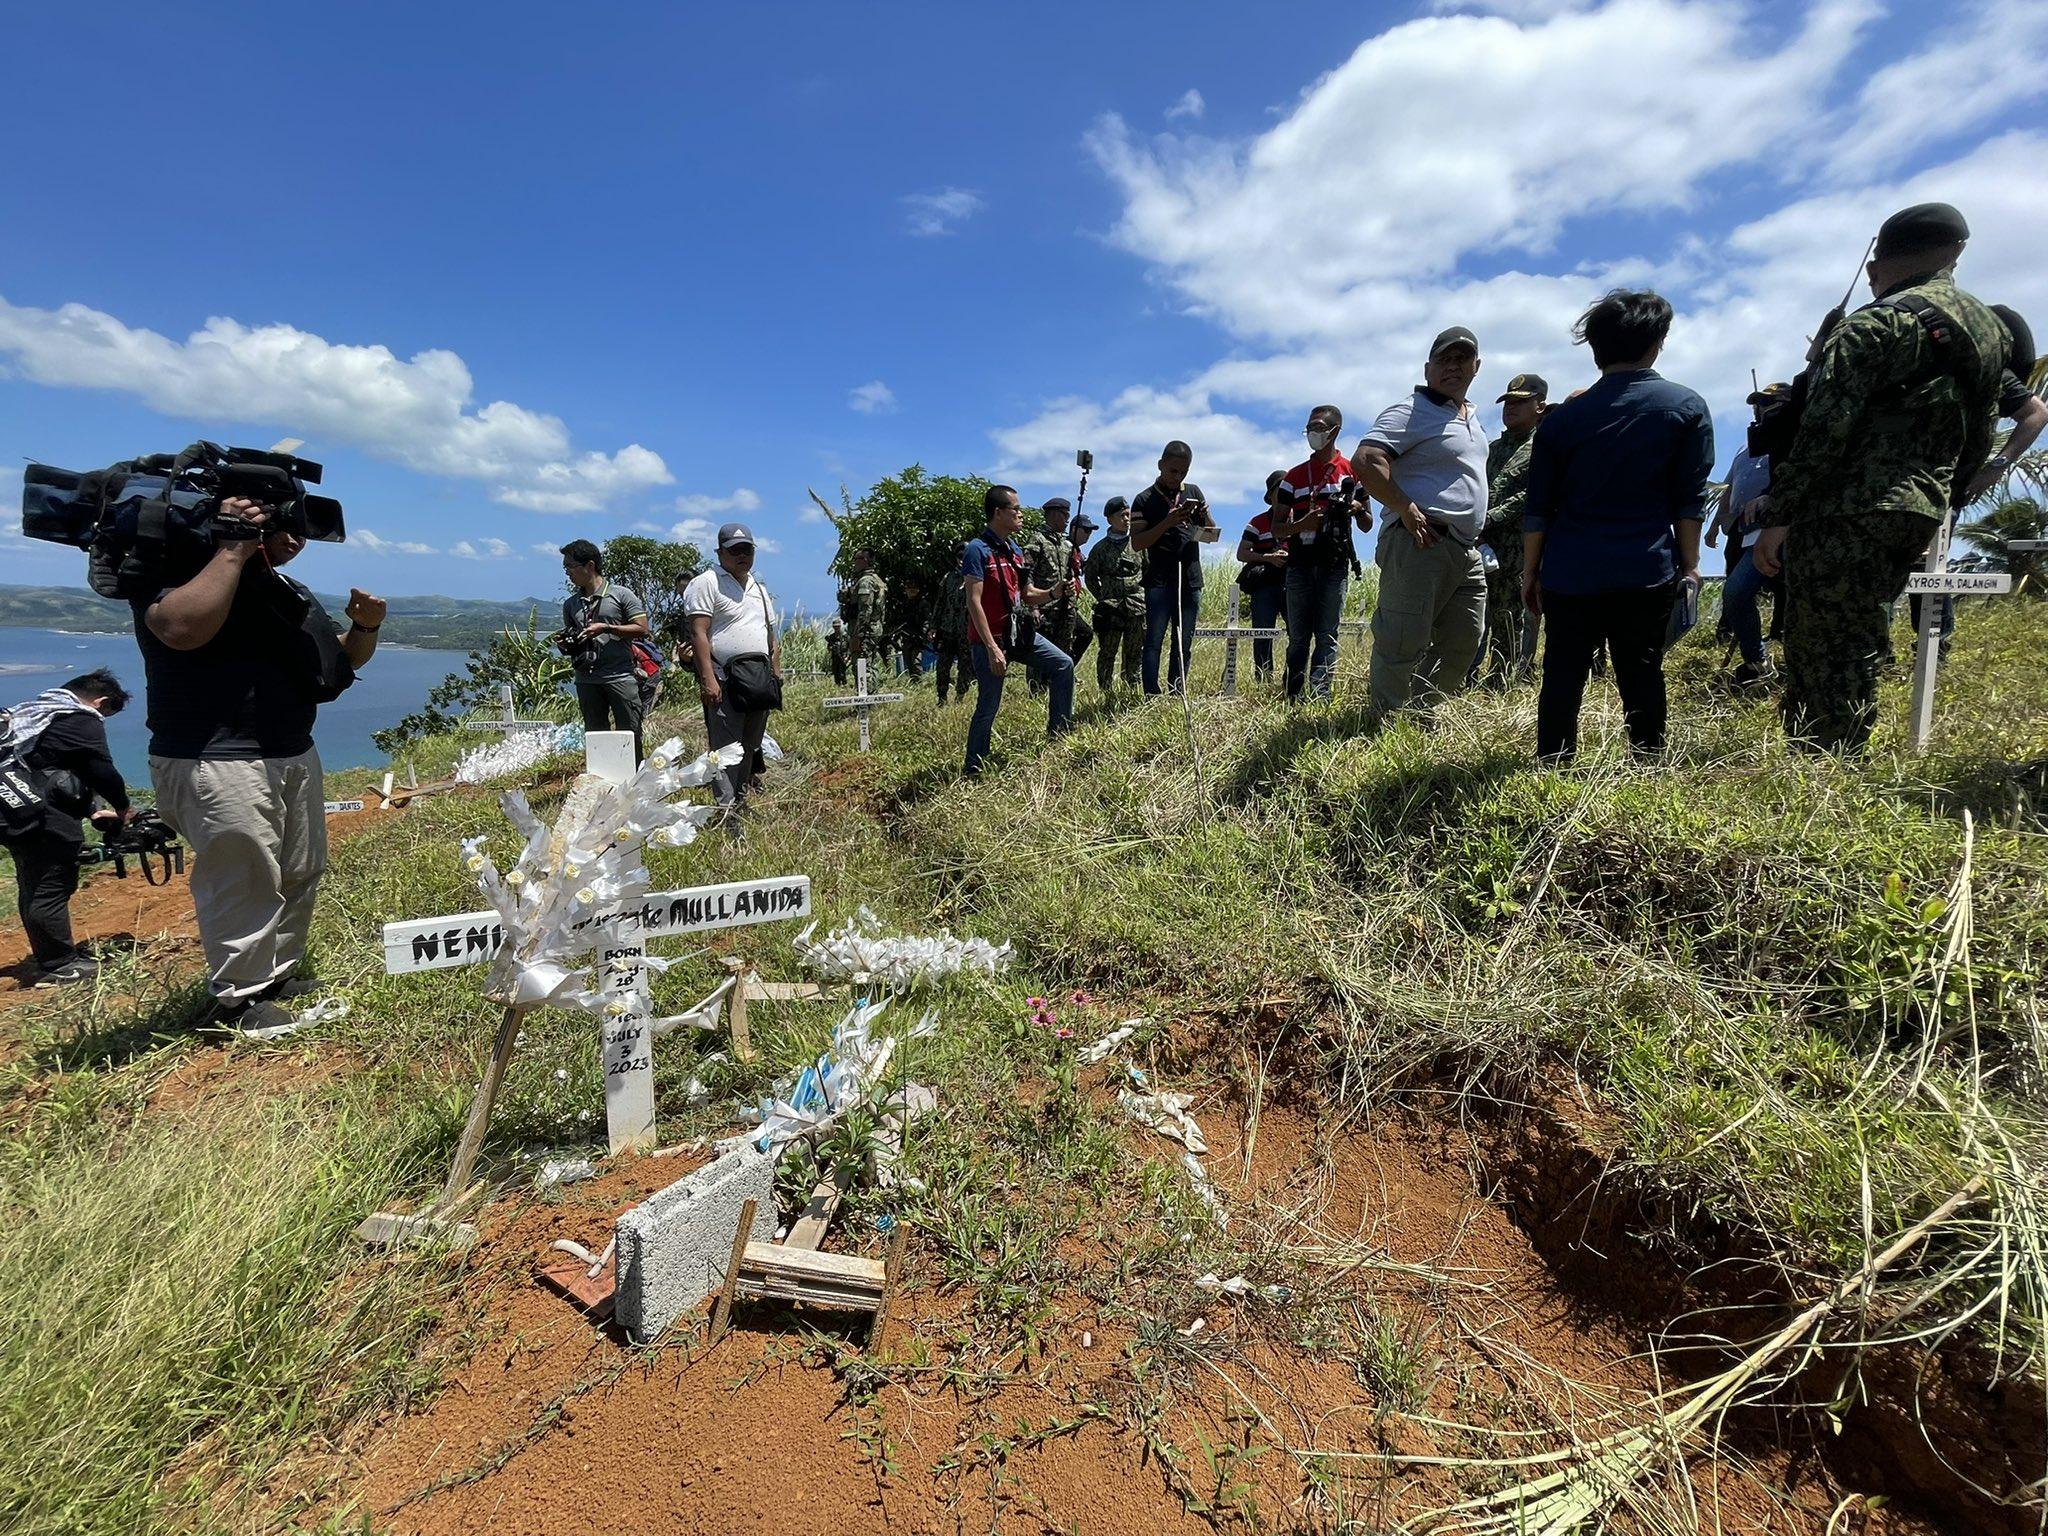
<point x="1746" y="957"/>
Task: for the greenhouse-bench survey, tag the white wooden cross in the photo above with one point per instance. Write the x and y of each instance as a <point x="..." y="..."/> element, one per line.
<point x="1230" y="634"/>
<point x="1935" y="582"/>
<point x="507" y="720"/>
<point x="860" y="700"/>
<point x="619" y="938"/>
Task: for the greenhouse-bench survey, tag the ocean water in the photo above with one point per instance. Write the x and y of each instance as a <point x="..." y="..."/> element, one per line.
<point x="394" y="684"/>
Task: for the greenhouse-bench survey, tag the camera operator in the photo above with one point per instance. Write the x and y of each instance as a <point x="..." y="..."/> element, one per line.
<point x="600" y="620"/>
<point x="239" y="658"/>
<point x="59" y="737"/>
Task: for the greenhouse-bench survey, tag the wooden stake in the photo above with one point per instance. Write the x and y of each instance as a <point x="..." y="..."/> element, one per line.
<point x="723" y="1312"/>
<point x="736" y="1008"/>
<point x="890" y="1274"/>
<point x="480" y="1107"/>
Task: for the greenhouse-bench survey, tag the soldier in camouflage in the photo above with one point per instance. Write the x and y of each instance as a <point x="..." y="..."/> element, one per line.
<point x="1899" y="410"/>
<point x="865" y="604"/>
<point x="1051" y="561"/>
<point x="1114" y="574"/>
<point x="835" y="651"/>
<point x="1510" y="627"/>
<point x="949" y="628"/>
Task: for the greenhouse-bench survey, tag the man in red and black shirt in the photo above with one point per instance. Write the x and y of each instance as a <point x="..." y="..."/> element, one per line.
<point x="1315" y="506"/>
<point x="1262" y="575"/>
<point x="995" y="577"/>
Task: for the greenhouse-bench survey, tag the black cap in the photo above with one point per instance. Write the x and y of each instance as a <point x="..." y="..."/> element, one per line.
<point x="1083" y="524"/>
<point x="2022" y="359"/>
<point x="1768" y="392"/>
<point x="1451" y="338"/>
<point x="1058" y="504"/>
<point x="1524" y="386"/>
<point x="1116" y="504"/>
<point x="1922" y="227"/>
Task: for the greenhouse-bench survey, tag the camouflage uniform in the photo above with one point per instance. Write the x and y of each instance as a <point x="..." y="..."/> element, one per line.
<point x="1507" y="479"/>
<point x="1115" y="576"/>
<point x="1891" y="425"/>
<point x="949" y="624"/>
<point x="1049" y="559"/>
<point x="868" y="625"/>
<point x="835" y="650"/>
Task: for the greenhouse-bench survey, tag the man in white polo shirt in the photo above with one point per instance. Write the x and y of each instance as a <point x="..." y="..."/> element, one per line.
<point x="1425" y="459"/>
<point x="734" y="633"/>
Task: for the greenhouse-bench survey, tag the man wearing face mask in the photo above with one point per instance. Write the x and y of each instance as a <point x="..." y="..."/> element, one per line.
<point x="1115" y="576"/>
<point x="238" y="659"/>
<point x="1425" y="459"/>
<point x="1314" y="507"/>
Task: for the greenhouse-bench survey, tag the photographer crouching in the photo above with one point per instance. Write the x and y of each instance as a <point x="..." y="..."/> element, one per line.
<point x="600" y="622"/>
<point x="57" y="742"/>
<point x="239" y="658"/>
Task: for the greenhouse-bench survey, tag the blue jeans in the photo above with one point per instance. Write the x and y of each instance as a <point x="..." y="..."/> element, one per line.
<point x="1315" y="607"/>
<point x="1268" y="603"/>
<point x="1159" y="616"/>
<point x="1738" y="609"/>
<point x="1053" y="666"/>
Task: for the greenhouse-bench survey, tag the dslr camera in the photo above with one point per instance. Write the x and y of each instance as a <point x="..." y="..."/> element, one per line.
<point x="157" y="519"/>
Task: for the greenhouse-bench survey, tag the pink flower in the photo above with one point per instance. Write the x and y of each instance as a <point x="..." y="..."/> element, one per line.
<point x="1079" y="999"/>
<point x="1036" y="1004"/>
<point x="1066" y="1034"/>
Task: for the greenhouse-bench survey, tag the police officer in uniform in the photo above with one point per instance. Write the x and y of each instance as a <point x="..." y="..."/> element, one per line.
<point x="1899" y="410"/>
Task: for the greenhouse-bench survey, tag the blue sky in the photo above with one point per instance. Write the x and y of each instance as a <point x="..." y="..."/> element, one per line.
<point x="516" y="278"/>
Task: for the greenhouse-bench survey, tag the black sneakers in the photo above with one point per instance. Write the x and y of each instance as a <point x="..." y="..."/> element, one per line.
<point x="69" y="974"/>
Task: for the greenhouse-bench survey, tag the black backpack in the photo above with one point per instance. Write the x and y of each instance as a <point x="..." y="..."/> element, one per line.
<point x="24" y="791"/>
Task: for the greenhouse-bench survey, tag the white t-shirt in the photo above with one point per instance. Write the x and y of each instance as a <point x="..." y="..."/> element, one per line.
<point x="741" y="617"/>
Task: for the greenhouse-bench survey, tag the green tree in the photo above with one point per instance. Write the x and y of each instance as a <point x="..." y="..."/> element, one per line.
<point x="910" y="523"/>
<point x="650" y="568"/>
<point x="525" y="658"/>
<point x="1995" y="530"/>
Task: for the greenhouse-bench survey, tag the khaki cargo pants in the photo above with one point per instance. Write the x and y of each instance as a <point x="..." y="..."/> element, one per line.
<point x="258" y="831"/>
<point x="1429" y="621"/>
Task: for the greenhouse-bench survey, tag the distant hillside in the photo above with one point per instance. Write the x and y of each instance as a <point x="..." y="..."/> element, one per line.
<point x="433" y="622"/>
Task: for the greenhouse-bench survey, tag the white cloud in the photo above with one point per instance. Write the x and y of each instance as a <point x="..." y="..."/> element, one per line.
<point x="942" y="211"/>
<point x="699" y="531"/>
<point x="1190" y="105"/>
<point x="363" y="538"/>
<point x="1635" y="117"/>
<point x="872" y="399"/>
<point x="811" y="512"/>
<point x="420" y="413"/>
<point x="741" y="500"/>
<point x="482" y="549"/>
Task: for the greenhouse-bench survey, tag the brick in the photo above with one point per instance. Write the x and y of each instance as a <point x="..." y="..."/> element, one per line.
<point x="674" y="1245"/>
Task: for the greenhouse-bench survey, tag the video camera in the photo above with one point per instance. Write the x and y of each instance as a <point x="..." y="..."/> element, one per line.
<point x="146" y="521"/>
<point x="147" y="836"/>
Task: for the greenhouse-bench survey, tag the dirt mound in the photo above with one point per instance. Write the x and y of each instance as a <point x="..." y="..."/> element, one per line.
<point x="1229" y="1413"/>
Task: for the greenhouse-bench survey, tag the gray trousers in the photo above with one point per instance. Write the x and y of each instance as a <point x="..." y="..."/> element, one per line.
<point x="612" y="704"/>
<point x="258" y="831"/>
<point x="1429" y="622"/>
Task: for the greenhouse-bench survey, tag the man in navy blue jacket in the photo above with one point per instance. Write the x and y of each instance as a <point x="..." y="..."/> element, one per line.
<point x="1617" y="492"/>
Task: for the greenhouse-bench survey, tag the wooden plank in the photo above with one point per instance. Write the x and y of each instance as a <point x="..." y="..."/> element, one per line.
<point x="723" y="1312"/>
<point x="736" y="1010"/>
<point x="786" y="991"/>
<point x="808" y="1230"/>
<point x="808" y="1293"/>
<point x="480" y="1107"/>
<point x="770" y="1259"/>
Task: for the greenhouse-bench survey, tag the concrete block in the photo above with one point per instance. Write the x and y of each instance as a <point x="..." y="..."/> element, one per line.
<point x="674" y="1245"/>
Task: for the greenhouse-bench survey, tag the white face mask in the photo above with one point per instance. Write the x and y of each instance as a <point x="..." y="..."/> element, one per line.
<point x="1318" y="441"/>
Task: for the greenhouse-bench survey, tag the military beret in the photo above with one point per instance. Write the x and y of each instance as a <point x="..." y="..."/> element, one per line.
<point x="1526" y="386"/>
<point x="1116" y="504"/>
<point x="1058" y="504"/>
<point x="2022" y="360"/>
<point x="1922" y="227"/>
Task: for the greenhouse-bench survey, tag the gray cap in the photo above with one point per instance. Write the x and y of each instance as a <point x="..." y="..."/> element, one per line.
<point x="733" y="535"/>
